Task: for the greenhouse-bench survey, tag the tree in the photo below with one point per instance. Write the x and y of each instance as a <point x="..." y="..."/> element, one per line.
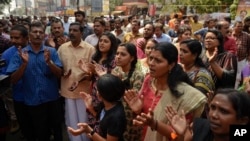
<point x="114" y="3"/>
<point x="233" y="8"/>
<point x="200" y="6"/>
<point x="5" y="2"/>
<point x="1" y="7"/>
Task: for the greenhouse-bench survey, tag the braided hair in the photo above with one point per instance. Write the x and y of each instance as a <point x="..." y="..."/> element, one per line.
<point x="131" y="49"/>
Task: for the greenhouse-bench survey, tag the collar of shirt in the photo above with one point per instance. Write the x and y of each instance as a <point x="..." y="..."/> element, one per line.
<point x="158" y="37"/>
<point x="234" y="35"/>
<point x="29" y="48"/>
<point x="80" y="45"/>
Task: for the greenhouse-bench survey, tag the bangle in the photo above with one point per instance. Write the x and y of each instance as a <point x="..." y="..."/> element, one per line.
<point x="173" y="135"/>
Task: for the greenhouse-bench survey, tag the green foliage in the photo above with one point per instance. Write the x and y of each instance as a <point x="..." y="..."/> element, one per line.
<point x="228" y="2"/>
<point x="5" y="2"/>
<point x="233" y="10"/>
<point x="114" y="3"/>
<point x="200" y="6"/>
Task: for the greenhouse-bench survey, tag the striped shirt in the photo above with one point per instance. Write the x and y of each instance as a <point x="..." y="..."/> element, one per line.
<point x="243" y="45"/>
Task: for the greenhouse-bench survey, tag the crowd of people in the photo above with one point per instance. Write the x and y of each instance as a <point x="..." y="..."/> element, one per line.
<point x="125" y="79"/>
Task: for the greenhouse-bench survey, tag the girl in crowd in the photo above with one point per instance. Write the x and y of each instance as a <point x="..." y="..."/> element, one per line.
<point x="143" y="63"/>
<point x="184" y="33"/>
<point x="228" y="107"/>
<point x="166" y="84"/>
<point x="190" y="51"/>
<point x="221" y="64"/>
<point x="126" y="59"/>
<point x="103" y="59"/>
<point x="110" y="90"/>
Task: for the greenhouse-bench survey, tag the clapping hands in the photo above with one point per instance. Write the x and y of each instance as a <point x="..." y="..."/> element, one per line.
<point x="178" y="122"/>
<point x="134" y="100"/>
<point x="23" y="54"/>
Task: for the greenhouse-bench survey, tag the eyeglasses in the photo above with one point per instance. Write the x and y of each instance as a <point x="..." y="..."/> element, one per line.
<point x="210" y="38"/>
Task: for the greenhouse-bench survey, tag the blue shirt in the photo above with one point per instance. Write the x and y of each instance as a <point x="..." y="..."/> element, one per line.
<point x="40" y="85"/>
<point x="87" y="30"/>
<point x="163" y="38"/>
<point x="172" y="33"/>
<point x="16" y="88"/>
<point x="7" y="54"/>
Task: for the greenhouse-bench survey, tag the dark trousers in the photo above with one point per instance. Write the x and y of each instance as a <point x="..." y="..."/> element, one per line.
<point x="24" y="120"/>
<point x="38" y="122"/>
<point x="4" y="120"/>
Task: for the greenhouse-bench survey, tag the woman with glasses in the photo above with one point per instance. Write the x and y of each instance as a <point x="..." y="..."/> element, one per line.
<point x="221" y="64"/>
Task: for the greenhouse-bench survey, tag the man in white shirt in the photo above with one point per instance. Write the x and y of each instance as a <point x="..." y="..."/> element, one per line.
<point x="66" y="23"/>
<point x="99" y="26"/>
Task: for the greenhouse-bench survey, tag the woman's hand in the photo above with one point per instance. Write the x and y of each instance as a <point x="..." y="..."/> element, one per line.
<point x="99" y="69"/>
<point x="212" y="57"/>
<point x="86" y="66"/>
<point x="210" y="96"/>
<point x="83" y="128"/>
<point x="145" y="119"/>
<point x="134" y="101"/>
<point x="87" y="100"/>
<point x="178" y="122"/>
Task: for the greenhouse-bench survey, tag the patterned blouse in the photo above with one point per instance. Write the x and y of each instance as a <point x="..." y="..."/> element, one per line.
<point x="92" y="120"/>
<point x="132" y="133"/>
<point x="202" y="80"/>
<point x="142" y="68"/>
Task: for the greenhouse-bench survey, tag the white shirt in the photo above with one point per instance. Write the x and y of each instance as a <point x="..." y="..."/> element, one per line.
<point x="92" y="39"/>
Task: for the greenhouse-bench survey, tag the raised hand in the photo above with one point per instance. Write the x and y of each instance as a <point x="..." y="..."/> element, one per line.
<point x="23" y="54"/>
<point x="212" y="57"/>
<point x="99" y="69"/>
<point x="210" y="96"/>
<point x="134" y="100"/>
<point x="145" y="119"/>
<point x="61" y="40"/>
<point x="86" y="66"/>
<point x="83" y="128"/>
<point x="178" y="122"/>
<point x="87" y="99"/>
<point x="47" y="55"/>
